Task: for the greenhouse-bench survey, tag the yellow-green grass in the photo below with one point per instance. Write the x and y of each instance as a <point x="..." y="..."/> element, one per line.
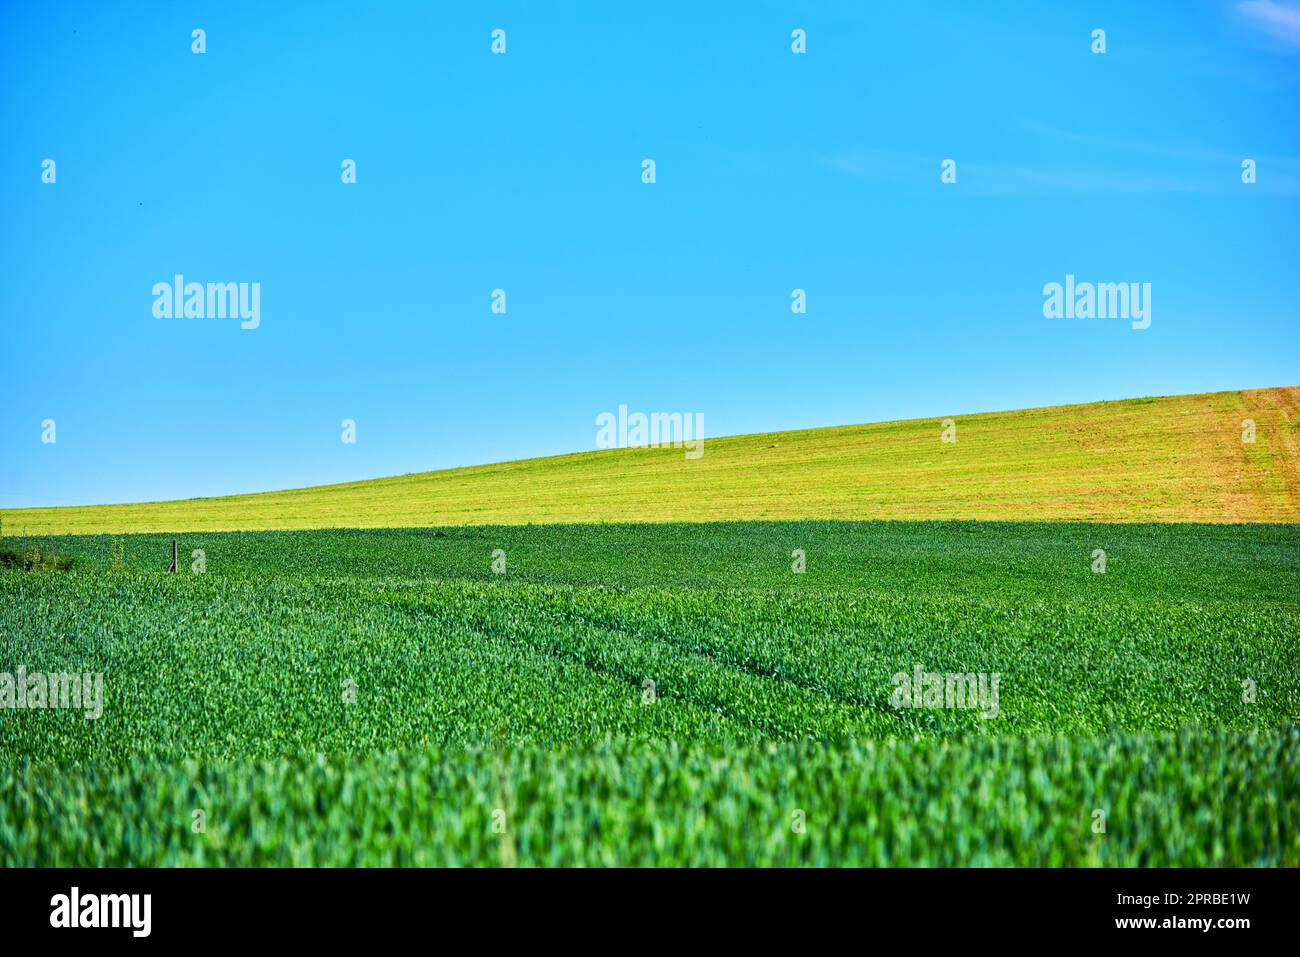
<point x="1168" y="459"/>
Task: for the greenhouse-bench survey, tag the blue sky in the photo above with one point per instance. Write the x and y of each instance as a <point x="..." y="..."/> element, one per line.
<point x="475" y="171"/>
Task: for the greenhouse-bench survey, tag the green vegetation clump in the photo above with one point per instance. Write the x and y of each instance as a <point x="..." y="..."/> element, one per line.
<point x="33" y="559"/>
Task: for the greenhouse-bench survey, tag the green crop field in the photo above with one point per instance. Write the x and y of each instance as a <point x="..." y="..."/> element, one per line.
<point x="660" y="694"/>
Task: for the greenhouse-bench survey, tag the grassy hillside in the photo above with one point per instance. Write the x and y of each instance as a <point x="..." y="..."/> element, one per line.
<point x="1178" y="458"/>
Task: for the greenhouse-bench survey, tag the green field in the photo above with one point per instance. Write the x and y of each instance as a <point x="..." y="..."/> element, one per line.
<point x="527" y="693"/>
<point x="1170" y="459"/>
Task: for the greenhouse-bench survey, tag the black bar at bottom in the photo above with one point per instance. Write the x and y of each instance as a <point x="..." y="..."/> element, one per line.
<point x="335" y="907"/>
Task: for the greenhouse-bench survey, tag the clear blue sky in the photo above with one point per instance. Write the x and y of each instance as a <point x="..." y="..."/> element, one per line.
<point x="523" y="172"/>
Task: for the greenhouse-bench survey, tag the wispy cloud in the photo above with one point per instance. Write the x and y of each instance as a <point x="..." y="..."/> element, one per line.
<point x="1168" y="151"/>
<point x="1279" y="19"/>
<point x="1189" y="170"/>
<point x="906" y="170"/>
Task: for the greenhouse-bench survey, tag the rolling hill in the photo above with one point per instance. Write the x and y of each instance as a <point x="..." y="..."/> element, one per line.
<point x="1167" y="459"/>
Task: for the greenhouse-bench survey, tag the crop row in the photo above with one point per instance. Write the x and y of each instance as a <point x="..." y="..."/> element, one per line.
<point x="1194" y="798"/>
